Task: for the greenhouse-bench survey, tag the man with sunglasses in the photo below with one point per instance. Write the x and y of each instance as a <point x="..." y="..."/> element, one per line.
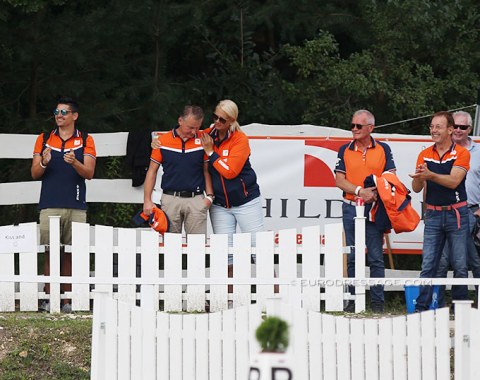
<point x="461" y="130"/>
<point x="440" y="173"/>
<point x="63" y="159"/>
<point x="357" y="160"/>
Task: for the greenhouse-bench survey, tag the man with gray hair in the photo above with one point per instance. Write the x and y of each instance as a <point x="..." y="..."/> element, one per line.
<point x="357" y="160"/>
<point x="460" y="136"/>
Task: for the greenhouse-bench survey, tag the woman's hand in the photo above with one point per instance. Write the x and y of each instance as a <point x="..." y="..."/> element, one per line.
<point x="207" y="143"/>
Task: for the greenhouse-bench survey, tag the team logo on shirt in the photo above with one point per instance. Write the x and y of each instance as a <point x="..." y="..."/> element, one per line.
<point x="225" y="152"/>
<point x="197" y="142"/>
<point x="77" y="142"/>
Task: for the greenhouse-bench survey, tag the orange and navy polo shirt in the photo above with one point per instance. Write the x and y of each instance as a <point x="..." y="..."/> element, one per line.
<point x="456" y="157"/>
<point x="182" y="162"/>
<point x="62" y="186"/>
<point x="357" y="164"/>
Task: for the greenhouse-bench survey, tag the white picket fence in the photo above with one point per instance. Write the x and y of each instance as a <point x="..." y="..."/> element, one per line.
<point x="178" y="289"/>
<point x="131" y="342"/>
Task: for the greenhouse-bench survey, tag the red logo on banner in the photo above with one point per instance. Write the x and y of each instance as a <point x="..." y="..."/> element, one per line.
<point x="316" y="172"/>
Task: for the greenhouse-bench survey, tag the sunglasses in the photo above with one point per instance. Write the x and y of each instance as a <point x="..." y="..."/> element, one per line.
<point x="358" y="126"/>
<point x="461" y="126"/>
<point x="218" y="118"/>
<point x="56" y="112"/>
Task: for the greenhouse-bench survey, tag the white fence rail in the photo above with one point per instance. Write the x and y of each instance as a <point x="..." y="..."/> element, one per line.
<point x="119" y="265"/>
<point x="132" y="342"/>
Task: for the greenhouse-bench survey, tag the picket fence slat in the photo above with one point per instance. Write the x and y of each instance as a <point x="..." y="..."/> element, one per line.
<point x="300" y="343"/>
<point x="371" y="349"/>
<point x="218" y="269"/>
<point x="360" y="248"/>
<point x="124" y="347"/>
<point x="80" y="265"/>
<point x="201" y="347"/>
<point x="195" y="295"/>
<point x="150" y="269"/>
<point x="111" y="336"/>
<point x="163" y="346"/>
<point x="329" y="352"/>
<point x="334" y="266"/>
<point x="228" y="344"/>
<point x="137" y="345"/>
<point x="474" y="342"/>
<point x="399" y="325"/>
<point x="342" y="334"/>
<point x="265" y="265"/>
<point x="189" y="358"/>
<point x="127" y="264"/>
<point x="414" y="334"/>
<point x="442" y="339"/>
<point x="428" y="344"/>
<point x="311" y="266"/>
<point x="385" y="348"/>
<point x="7" y="289"/>
<point x="54" y="232"/>
<point x="241" y="268"/>
<point x="215" y="352"/>
<point x="357" y="334"/>
<point x="241" y="342"/>
<point x="173" y="270"/>
<point x="149" y="341"/>
<point x="315" y="345"/>
<point x="176" y="352"/>
<point x="104" y="256"/>
<point x="287" y="263"/>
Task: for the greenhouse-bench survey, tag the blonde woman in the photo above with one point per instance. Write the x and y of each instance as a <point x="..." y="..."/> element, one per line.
<point x="236" y="191"/>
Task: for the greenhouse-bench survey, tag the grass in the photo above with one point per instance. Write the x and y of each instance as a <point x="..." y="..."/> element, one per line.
<point x="43" y="346"/>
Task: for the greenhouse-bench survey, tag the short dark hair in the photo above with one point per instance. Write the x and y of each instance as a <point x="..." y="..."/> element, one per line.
<point x="194" y="111"/>
<point x="447" y="115"/>
<point x="72" y="103"/>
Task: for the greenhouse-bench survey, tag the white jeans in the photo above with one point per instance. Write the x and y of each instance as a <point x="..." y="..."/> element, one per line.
<point x="249" y="218"/>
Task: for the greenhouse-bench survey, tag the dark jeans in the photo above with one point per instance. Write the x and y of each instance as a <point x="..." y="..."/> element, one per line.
<point x="473" y="260"/>
<point x="374" y="242"/>
<point x="442" y="227"/>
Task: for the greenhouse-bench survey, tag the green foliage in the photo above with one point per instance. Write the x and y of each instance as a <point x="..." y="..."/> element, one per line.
<point x="272" y="335"/>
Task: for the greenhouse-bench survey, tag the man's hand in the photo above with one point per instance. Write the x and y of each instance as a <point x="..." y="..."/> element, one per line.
<point x="155" y="143"/>
<point x="421" y="172"/>
<point x="46" y="156"/>
<point x="368" y="194"/>
<point x="69" y="157"/>
<point x="147" y="207"/>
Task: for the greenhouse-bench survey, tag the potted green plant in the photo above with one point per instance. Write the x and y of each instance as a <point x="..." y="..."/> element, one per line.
<point x="272" y="335"/>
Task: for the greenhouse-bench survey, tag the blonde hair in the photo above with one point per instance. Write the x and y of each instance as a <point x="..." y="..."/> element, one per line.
<point x="231" y="110"/>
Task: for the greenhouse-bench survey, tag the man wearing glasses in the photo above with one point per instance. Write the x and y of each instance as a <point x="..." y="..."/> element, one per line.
<point x="440" y="173"/>
<point x="63" y="159"/>
<point x="356" y="160"/>
<point x="461" y="130"/>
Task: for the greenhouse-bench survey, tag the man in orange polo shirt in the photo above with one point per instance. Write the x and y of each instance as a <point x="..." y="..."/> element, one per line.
<point x="356" y="160"/>
<point x="63" y="159"/>
<point x="440" y="172"/>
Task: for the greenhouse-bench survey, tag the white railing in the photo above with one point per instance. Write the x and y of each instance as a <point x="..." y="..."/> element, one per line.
<point x="131" y="342"/>
<point x="177" y="288"/>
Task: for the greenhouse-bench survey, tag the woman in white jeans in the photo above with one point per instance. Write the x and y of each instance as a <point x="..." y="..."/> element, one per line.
<point x="236" y="198"/>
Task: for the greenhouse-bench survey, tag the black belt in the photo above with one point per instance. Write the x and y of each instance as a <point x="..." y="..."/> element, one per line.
<point x="183" y="194"/>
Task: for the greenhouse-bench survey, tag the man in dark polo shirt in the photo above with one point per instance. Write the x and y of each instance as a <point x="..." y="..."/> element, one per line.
<point x="356" y="160"/>
<point x="440" y="173"/>
<point x="63" y="159"/>
<point x="184" y="176"/>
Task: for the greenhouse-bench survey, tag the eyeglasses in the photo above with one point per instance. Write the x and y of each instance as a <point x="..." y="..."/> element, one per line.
<point x="461" y="126"/>
<point x="359" y="126"/>
<point x="62" y="112"/>
<point x="218" y="118"/>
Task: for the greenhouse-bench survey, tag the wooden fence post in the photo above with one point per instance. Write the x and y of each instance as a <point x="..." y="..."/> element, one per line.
<point x="462" y="340"/>
<point x="98" y="359"/>
<point x="54" y="223"/>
